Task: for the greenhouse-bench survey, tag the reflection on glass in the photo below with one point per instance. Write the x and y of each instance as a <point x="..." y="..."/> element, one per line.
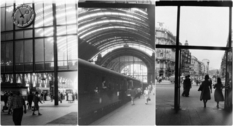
<point x="202" y="25"/>
<point x="39" y="50"/>
<point x="19" y="51"/>
<point x="9" y="21"/>
<point x="3" y="19"/>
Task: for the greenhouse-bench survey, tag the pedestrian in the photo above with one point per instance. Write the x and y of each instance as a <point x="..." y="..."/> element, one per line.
<point x="133" y="93"/>
<point x="51" y="97"/>
<point x="206" y="89"/>
<point x="147" y="95"/>
<point x="5" y="99"/>
<point x="139" y="92"/>
<point x="36" y="100"/>
<point x="17" y="104"/>
<point x="42" y="96"/>
<point x="188" y="84"/>
<point x="218" y="95"/>
<point x="184" y="88"/>
<point x="9" y="103"/>
<point x="30" y="98"/>
<point x="59" y="97"/>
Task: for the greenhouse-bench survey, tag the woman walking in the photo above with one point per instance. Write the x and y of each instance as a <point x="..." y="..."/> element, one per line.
<point x="218" y="95"/>
<point x="206" y="89"/>
<point x="146" y="94"/>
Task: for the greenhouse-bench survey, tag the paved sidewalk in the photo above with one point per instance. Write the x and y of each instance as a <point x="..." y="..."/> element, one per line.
<point x="192" y="111"/>
<point x="138" y="114"/>
<point x="50" y="113"/>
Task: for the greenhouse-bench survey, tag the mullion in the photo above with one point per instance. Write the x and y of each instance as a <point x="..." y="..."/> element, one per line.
<point x="193" y="47"/>
<point x="195" y="3"/>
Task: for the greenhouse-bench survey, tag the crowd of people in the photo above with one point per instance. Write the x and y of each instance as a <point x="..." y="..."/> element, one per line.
<point x="137" y="92"/>
<point x="15" y="103"/>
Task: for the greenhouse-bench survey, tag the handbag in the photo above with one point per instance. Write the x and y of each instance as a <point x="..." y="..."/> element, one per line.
<point x="148" y="99"/>
<point x="200" y="88"/>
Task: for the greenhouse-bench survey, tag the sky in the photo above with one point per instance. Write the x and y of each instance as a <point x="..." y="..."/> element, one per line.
<point x="200" y="26"/>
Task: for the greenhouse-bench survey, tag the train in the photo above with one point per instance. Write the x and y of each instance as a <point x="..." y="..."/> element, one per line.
<point x="101" y="91"/>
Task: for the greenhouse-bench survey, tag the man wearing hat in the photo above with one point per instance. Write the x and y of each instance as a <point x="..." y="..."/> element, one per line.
<point x="188" y="85"/>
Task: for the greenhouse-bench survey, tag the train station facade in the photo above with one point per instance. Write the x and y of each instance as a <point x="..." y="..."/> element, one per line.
<point x="39" y="48"/>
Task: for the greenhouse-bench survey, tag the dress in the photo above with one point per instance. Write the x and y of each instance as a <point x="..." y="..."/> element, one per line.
<point x="218" y="95"/>
<point x="205" y="92"/>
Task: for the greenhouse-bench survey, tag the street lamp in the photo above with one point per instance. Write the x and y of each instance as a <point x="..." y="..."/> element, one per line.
<point x="206" y="61"/>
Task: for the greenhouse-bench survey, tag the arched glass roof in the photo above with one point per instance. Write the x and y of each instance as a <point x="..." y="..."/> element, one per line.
<point x="105" y="28"/>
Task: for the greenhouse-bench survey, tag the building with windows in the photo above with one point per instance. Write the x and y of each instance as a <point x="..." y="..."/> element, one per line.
<point x="165" y="58"/>
<point x="39" y="46"/>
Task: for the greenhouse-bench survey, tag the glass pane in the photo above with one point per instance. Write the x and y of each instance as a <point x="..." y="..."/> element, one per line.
<point x="72" y="29"/>
<point x="3" y="19"/>
<point x="62" y="65"/>
<point x="39" y="50"/>
<point x="165" y="78"/>
<point x="70" y="13"/>
<point x="3" y="37"/>
<point x="201" y="25"/>
<point x="61" y="30"/>
<point x="19" y="35"/>
<point x="9" y="21"/>
<point x="39" y="14"/>
<point x="48" y="14"/>
<point x="19" y="52"/>
<point x="72" y="47"/>
<point x="200" y="66"/>
<point x="9" y="2"/>
<point x="49" y="54"/>
<point x="39" y="32"/>
<point x="28" y="34"/>
<point x="48" y="31"/>
<point x="166" y="20"/>
<point x="39" y="66"/>
<point x="3" y="53"/>
<point x="28" y="67"/>
<point x="9" y="35"/>
<point x="62" y="48"/>
<point x="9" y="53"/>
<point x="68" y="80"/>
<point x="49" y="65"/>
<point x="28" y="57"/>
<point x="19" y="67"/>
<point x="73" y="65"/>
<point x="60" y="10"/>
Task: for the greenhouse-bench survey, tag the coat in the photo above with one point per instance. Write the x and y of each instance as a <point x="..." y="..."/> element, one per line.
<point x="205" y="90"/>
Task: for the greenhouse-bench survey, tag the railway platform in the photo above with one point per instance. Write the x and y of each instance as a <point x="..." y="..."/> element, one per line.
<point x="138" y="114"/>
<point x="63" y="114"/>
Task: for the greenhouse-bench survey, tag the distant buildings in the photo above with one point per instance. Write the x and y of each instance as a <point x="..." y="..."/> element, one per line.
<point x="165" y="58"/>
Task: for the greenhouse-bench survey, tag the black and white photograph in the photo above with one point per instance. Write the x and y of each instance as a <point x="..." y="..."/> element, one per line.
<point x="193" y="62"/>
<point x="39" y="62"/>
<point x="116" y="62"/>
<point x="116" y="68"/>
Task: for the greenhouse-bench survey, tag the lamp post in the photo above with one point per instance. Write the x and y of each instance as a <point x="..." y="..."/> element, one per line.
<point x="206" y="62"/>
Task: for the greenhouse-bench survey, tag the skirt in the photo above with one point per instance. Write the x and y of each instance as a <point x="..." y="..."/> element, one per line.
<point x="218" y="95"/>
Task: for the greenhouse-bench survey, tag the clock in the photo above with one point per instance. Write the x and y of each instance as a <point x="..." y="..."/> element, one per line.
<point x="23" y="16"/>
